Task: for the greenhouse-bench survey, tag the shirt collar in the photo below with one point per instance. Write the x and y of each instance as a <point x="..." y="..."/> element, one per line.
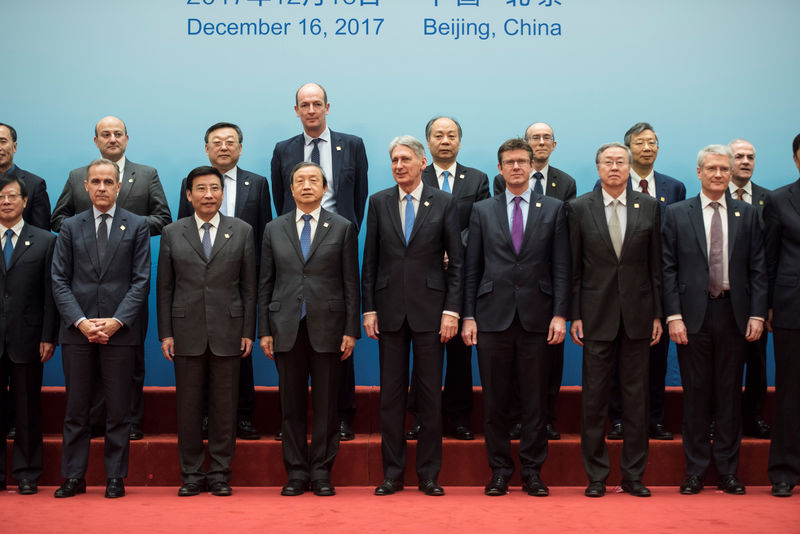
<point x="200" y="222"/>
<point x="121" y="167"/>
<point x="298" y="216"/>
<point x="526" y="196"/>
<point x="705" y="201"/>
<point x="17" y="228"/>
<point x="111" y="211"/>
<point x="748" y="188"/>
<point x="439" y="170"/>
<point x="232" y="174"/>
<point x="607" y="199"/>
<point x="325" y="136"/>
<point x="635" y="178"/>
<point x="544" y="171"/>
<point x="416" y="194"/>
<point x="11" y="170"/>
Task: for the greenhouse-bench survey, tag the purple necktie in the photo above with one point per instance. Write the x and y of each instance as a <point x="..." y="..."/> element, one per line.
<point x="516" y="225"/>
<point x="715" y="256"/>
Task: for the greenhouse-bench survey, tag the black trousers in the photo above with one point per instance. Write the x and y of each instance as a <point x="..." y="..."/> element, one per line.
<point x="116" y="364"/>
<point x="555" y="373"/>
<point x="755" y="379"/>
<point x="784" y="451"/>
<point x="598" y="362"/>
<point x="711" y="372"/>
<point x="25" y="387"/>
<point x="222" y="374"/>
<point x="502" y="356"/>
<point x="394" y="349"/>
<point x="294" y="369"/>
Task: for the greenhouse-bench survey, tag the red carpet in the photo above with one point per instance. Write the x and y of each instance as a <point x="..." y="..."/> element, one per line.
<point x="355" y="509"/>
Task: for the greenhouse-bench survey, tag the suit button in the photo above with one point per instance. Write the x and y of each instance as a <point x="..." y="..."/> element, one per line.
<point x="300" y="299"/>
<point x="516" y="288"/>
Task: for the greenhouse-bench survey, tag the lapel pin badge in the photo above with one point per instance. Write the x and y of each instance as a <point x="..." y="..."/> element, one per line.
<point x="663" y="199"/>
<point x="130" y="180"/>
<point x="736" y="213"/>
<point x="338" y="148"/>
<point x="27" y="243"/>
<point x="538" y="204"/>
<point x="122" y="228"/>
<point x="247" y="183"/>
<point x="227" y="236"/>
<point x="553" y="184"/>
<point x="761" y="202"/>
<point x="426" y="203"/>
<point x="461" y="176"/>
<point x="325" y="225"/>
<point x="635" y="204"/>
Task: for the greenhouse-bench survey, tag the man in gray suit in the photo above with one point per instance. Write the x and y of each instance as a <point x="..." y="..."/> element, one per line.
<point x="309" y="307"/>
<point x="101" y="277"/>
<point x="206" y="303"/>
<point x="140" y="193"/>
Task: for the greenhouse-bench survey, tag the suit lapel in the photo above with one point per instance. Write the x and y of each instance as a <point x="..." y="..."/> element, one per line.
<point x="632" y="211"/>
<point x="598" y="211"/>
<point x="458" y="180"/>
<point x="224" y="234"/>
<point x="337" y="156"/>
<point x="242" y="191"/>
<point x="119" y="225"/>
<point x="501" y="212"/>
<point x="661" y="189"/>
<point x="90" y="239"/>
<point x="534" y="213"/>
<point x="128" y="179"/>
<point x="391" y="206"/>
<point x="422" y="211"/>
<point x="551" y="178"/>
<point x="24" y="241"/>
<point x="794" y="196"/>
<point x="696" y="220"/>
<point x="734" y="216"/>
<point x="290" y="228"/>
<point x="191" y="235"/>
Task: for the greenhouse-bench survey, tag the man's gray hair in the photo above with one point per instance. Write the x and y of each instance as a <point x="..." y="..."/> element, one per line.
<point x="722" y="150"/>
<point x="409" y="141"/>
<point x="638" y="128"/>
<point x="103" y="161"/>
<point x="606" y="146"/>
<point x="740" y="140"/>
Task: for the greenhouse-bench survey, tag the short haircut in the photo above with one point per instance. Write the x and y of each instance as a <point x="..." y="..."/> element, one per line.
<point x="409" y="141"/>
<point x="796" y="145"/>
<point x="221" y="125"/>
<point x="6" y="179"/>
<point x="740" y="140"/>
<point x="606" y="146"/>
<point x="722" y="150"/>
<point x="203" y="170"/>
<point x="304" y="164"/>
<point x="324" y="93"/>
<point x="12" y="130"/>
<point x="103" y="161"/>
<point x="430" y="125"/>
<point x="636" y="129"/>
<point x="517" y="143"/>
<point x="124" y="127"/>
<point x="525" y="136"/>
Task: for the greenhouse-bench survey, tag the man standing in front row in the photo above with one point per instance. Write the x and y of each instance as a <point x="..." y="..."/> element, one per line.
<point x="309" y="308"/>
<point x="616" y="312"/>
<point x="206" y="302"/>
<point x="516" y="300"/>
<point x="101" y="278"/>
<point x="715" y="300"/>
<point x="409" y="297"/>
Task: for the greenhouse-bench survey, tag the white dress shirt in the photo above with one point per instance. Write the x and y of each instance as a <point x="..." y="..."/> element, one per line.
<point x="326" y="162"/>
<point x="298" y="217"/>
<point x="440" y="175"/>
<point x="17" y="228"/>
<point x="748" y="191"/>
<point x="544" y="172"/>
<point x="650" y="179"/>
<point x="525" y="206"/>
<point x="212" y="231"/>
<point x="97" y="213"/>
<point x="229" y="192"/>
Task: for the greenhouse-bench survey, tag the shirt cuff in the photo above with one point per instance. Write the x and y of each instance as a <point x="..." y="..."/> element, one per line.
<point x="79" y="321"/>
<point x="371" y="313"/>
<point x="758" y="319"/>
<point x="675" y="317"/>
<point x="451" y="314"/>
<point x="120" y="322"/>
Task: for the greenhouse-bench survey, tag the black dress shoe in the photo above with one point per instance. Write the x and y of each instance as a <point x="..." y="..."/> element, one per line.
<point x="190" y="489"/>
<point x="278" y="436"/>
<point x="516" y="431"/>
<point x="692" y="485"/>
<point x="552" y="433"/>
<point x="70" y="488"/>
<point x="781" y="489"/>
<point x="220" y="488"/>
<point x="757" y="429"/>
<point x="463" y="433"/>
<point x="114" y="488"/>
<point x="388" y="487"/>
<point x="323" y="488"/>
<point x="535" y="487"/>
<point x="204" y="427"/>
<point x="346" y="431"/>
<point x="294" y="487"/>
<point x="12" y="432"/>
<point x="635" y="488"/>
<point x="496" y="487"/>
<point x="731" y="484"/>
<point x="431" y="487"/>
<point x="246" y="430"/>
<point x="595" y="489"/>
<point x="413" y="432"/>
<point x="660" y="433"/>
<point x="30" y="487"/>
<point x="615" y="432"/>
<point x="136" y="433"/>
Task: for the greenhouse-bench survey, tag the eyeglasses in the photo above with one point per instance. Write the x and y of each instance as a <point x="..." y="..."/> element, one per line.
<point x="546" y="138"/>
<point x="202" y="189"/>
<point x="12" y="197"/>
<point x="512" y="162"/>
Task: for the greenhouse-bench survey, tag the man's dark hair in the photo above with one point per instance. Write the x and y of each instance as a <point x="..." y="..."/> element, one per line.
<point x="6" y="179"/>
<point x="304" y="164"/>
<point x="202" y="171"/>
<point x="12" y="130"/>
<point x="430" y="125"/>
<point x="796" y="145"/>
<point x="514" y="144"/>
<point x="220" y="125"/>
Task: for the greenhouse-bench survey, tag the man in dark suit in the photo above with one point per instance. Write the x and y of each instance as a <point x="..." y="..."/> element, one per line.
<point x="410" y="296"/>
<point x="782" y="221"/>
<point x="37" y="208"/>
<point x="101" y="278"/>
<point x="642" y="140"/>
<point x="616" y="312"/>
<point x="547" y="180"/>
<point x="468" y="186"/>
<point x="344" y="161"/>
<point x="206" y="303"/>
<point x="246" y="198"/>
<point x="28" y="330"/>
<point x="715" y="300"/>
<point x="140" y="193"/>
<point x="516" y="301"/>
<point x="742" y="188"/>
<point x="309" y="308"/>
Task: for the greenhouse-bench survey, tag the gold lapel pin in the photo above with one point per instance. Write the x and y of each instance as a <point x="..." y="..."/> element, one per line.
<point x="227" y="236"/>
<point x="130" y="180"/>
<point x="325" y="225"/>
<point x="27" y="243"/>
<point x="247" y="183"/>
<point x="461" y="176"/>
<point x="338" y="148"/>
<point x="122" y="227"/>
<point x="553" y="184"/>
<point x="538" y="204"/>
<point x="663" y="199"/>
<point x="635" y="204"/>
<point x="736" y="213"/>
<point x="761" y="202"/>
<point x="426" y="203"/>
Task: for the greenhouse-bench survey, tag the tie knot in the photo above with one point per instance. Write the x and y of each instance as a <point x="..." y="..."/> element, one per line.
<point x="207" y="226"/>
<point x="9" y="233"/>
<point x="715" y="205"/>
<point x="409" y="198"/>
<point x="615" y="203"/>
<point x="446" y="174"/>
<point x="306" y="217"/>
<point x="517" y="200"/>
<point x="316" y="141"/>
<point x="538" y="175"/>
<point x="104" y="217"/>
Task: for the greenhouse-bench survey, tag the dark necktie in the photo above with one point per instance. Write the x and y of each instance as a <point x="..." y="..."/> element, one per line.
<point x="740" y="194"/>
<point x="643" y="185"/>
<point x="102" y="236"/>
<point x="8" y="248"/>
<point x="409" y="217"/>
<point x="715" y="256"/>
<point x="446" y="181"/>
<point x="305" y="247"/>
<point x="517" y="225"/>
<point x="537" y="183"/>
<point x="315" y="151"/>
<point x="207" y="240"/>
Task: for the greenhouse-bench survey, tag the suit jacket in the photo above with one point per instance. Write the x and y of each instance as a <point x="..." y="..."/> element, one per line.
<point x="37" y="210"/>
<point x="686" y="263"/>
<point x="140" y="193"/>
<point x="469" y="186"/>
<point x="558" y="184"/>
<point x="206" y="303"/>
<point x="328" y="281"/>
<point x="117" y="287"/>
<point x="605" y="289"/>
<point x="252" y="204"/>
<point x="759" y="201"/>
<point x="668" y="190"/>
<point x="500" y="283"/>
<point x="782" y="251"/>
<point x="410" y="282"/>
<point x="28" y="313"/>
<point x="349" y="174"/>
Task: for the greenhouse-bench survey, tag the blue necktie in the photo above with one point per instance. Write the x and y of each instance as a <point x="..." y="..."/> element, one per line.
<point x="305" y="246"/>
<point x="315" y="151"/>
<point x="446" y="182"/>
<point x="409" y="216"/>
<point x="207" y="240"/>
<point x="8" y="248"/>
<point x="537" y="183"/>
